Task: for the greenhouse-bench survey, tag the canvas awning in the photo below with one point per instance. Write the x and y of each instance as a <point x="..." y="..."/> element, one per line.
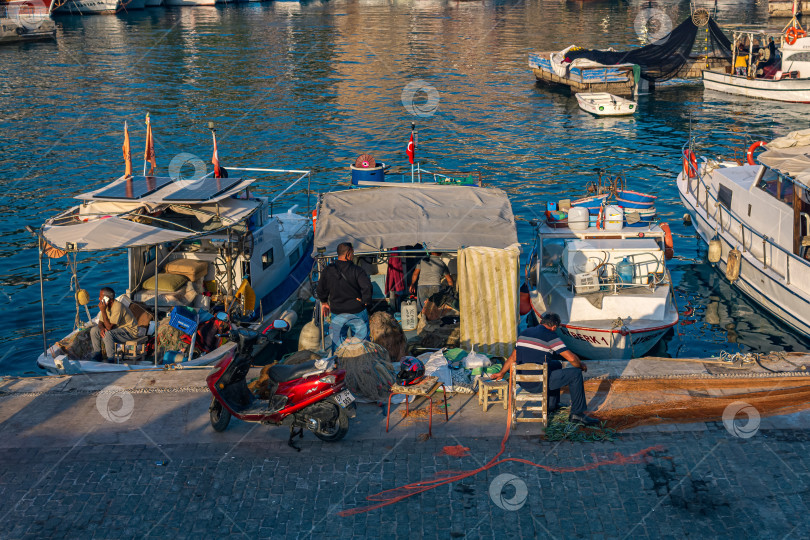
<point x="442" y="218"/>
<point x="109" y="233"/>
<point x="790" y="155"/>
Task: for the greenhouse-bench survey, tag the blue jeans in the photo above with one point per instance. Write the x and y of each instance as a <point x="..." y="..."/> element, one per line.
<point x="423" y="292"/>
<point x="558" y="378"/>
<point x="342" y="322"/>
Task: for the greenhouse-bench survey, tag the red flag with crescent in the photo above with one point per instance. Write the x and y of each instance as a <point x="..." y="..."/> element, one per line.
<point x="215" y="158"/>
<point x="411" y="150"/>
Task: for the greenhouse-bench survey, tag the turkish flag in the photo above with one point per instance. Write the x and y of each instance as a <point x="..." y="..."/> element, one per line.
<point x="215" y="158"/>
<point x="411" y="150"/>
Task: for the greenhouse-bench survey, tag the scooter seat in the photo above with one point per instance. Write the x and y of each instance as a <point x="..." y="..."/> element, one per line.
<point x="283" y="373"/>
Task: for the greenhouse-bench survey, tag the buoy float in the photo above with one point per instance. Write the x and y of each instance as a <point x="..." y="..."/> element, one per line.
<point x="82" y="297"/>
<point x="687" y="219"/>
<point x="733" y="265"/>
<point x="689" y="158"/>
<point x="525" y="303"/>
<point x="715" y="251"/>
<point x="793" y="34"/>
<point x="669" y="245"/>
<point x="750" y="153"/>
<point x="314" y="218"/>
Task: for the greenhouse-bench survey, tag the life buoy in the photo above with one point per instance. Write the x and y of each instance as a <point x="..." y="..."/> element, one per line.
<point x="314" y="219"/>
<point x="689" y="158"/>
<point x="669" y="245"/>
<point x="793" y="34"/>
<point x="600" y="219"/>
<point x="749" y="155"/>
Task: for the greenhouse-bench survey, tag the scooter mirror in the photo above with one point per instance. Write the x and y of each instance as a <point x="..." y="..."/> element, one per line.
<point x="222" y="316"/>
<point x="281" y="325"/>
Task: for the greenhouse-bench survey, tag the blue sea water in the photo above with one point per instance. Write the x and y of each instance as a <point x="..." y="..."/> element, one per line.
<point x="313" y="85"/>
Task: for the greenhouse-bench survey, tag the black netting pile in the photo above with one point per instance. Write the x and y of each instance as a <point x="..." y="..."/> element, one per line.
<point x="663" y="59"/>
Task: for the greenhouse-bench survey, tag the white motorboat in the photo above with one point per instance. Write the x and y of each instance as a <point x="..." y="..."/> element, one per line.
<point x="756" y="220"/>
<point x="86" y="7"/>
<point x="601" y="267"/>
<point x="786" y="79"/>
<point x="604" y="104"/>
<point x="227" y="249"/>
<point x="575" y="274"/>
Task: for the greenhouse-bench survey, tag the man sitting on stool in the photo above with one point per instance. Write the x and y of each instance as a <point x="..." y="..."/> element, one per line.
<point x="116" y="324"/>
<point x="539" y="345"/>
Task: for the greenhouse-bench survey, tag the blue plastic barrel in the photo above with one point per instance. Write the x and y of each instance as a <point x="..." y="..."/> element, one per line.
<point x="372" y="174"/>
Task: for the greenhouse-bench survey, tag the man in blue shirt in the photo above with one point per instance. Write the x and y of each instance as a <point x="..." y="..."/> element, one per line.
<point x="539" y="345"/>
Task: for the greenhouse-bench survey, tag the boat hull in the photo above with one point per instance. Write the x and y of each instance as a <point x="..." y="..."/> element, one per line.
<point x="760" y="284"/>
<point x="602" y="107"/>
<point x="787" y="90"/>
<point x="189" y="2"/>
<point x="154" y="3"/>
<point x="600" y="340"/>
<point x="12" y="31"/>
<point x="88" y="7"/>
<point x="133" y="5"/>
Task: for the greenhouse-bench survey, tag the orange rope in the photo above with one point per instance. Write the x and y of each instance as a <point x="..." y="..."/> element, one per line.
<point x="395" y="495"/>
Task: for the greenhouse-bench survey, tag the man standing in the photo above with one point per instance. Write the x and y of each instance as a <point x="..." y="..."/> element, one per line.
<point x="344" y="289"/>
<point x="539" y="345"/>
<point x="116" y="324"/>
<point x="427" y="278"/>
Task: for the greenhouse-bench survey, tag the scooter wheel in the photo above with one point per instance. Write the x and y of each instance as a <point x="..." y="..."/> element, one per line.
<point x="338" y="430"/>
<point x="220" y="416"/>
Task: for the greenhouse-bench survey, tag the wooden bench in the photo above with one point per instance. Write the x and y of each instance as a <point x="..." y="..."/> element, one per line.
<point x="525" y="405"/>
<point x="426" y="388"/>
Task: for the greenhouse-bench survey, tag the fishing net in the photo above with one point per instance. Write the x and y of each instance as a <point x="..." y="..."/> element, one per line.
<point x="663" y="59"/>
<point x="369" y="374"/>
<point x="626" y="403"/>
<point x="384" y="330"/>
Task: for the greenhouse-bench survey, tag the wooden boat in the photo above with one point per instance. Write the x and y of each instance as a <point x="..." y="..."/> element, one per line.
<point x="584" y="75"/>
<point x="26" y="20"/>
<point x="604" y="104"/>
<point x="756" y="220"/>
<point x="247" y="259"/>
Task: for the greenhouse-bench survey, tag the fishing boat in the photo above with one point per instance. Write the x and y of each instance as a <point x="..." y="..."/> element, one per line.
<point x="604" y="104"/>
<point x="472" y="229"/>
<point x="196" y="248"/>
<point x="755" y="219"/>
<point x="367" y="172"/>
<point x="781" y="74"/>
<point x="26" y="20"/>
<point x="605" y="275"/>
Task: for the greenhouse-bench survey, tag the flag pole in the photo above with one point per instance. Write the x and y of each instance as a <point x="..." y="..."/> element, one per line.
<point x="147" y="147"/>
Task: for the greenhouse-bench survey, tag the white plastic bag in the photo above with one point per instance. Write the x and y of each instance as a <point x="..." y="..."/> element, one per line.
<point x="476" y="360"/>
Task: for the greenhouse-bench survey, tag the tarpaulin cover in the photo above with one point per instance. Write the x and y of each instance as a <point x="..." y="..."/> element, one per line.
<point x="663" y="59"/>
<point x="488" y="299"/>
<point x="442" y="218"/>
<point x="790" y="155"/>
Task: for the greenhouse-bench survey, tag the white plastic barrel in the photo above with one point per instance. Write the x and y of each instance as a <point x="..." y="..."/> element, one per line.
<point x="578" y="219"/>
<point x="408" y="315"/>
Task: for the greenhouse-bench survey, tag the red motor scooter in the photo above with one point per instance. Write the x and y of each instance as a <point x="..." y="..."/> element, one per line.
<point x="311" y="395"/>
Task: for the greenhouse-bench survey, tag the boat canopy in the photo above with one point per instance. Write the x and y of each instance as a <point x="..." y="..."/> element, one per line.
<point x="441" y="218"/>
<point x="167" y="190"/>
<point x="95" y="226"/>
<point x="110" y="233"/>
<point x="790" y="155"/>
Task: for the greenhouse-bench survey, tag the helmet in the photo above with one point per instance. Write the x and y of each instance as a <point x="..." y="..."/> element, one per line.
<point x="411" y="371"/>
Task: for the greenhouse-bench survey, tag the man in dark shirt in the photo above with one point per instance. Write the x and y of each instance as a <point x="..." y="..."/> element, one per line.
<point x="344" y="289"/>
<point x="539" y="345"/>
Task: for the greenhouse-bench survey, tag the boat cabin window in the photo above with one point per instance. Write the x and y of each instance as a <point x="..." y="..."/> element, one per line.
<point x="552" y="252"/>
<point x="776" y="186"/>
<point x="294" y="256"/>
<point x="267" y="259"/>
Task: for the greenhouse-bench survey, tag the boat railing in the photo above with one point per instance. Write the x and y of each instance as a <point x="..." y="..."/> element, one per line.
<point x="694" y="182"/>
<point x="301" y="176"/>
<point x="611" y="282"/>
<point x="445" y="177"/>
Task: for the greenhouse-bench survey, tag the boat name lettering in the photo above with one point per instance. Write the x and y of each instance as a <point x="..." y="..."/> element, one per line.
<point x="585" y="337"/>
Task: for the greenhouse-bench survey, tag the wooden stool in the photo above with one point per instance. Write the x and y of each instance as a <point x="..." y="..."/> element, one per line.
<point x="486" y="388"/>
<point x="424" y="389"/>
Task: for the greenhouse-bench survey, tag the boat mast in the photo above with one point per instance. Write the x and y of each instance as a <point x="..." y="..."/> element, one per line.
<point x="41" y="292"/>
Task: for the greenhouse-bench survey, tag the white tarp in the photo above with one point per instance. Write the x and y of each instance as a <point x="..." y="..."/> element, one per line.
<point x="488" y="291"/>
<point x="110" y="233"/>
<point x="442" y="218"/>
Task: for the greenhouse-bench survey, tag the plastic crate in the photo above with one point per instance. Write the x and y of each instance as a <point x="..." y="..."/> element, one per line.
<point x="184" y="319"/>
